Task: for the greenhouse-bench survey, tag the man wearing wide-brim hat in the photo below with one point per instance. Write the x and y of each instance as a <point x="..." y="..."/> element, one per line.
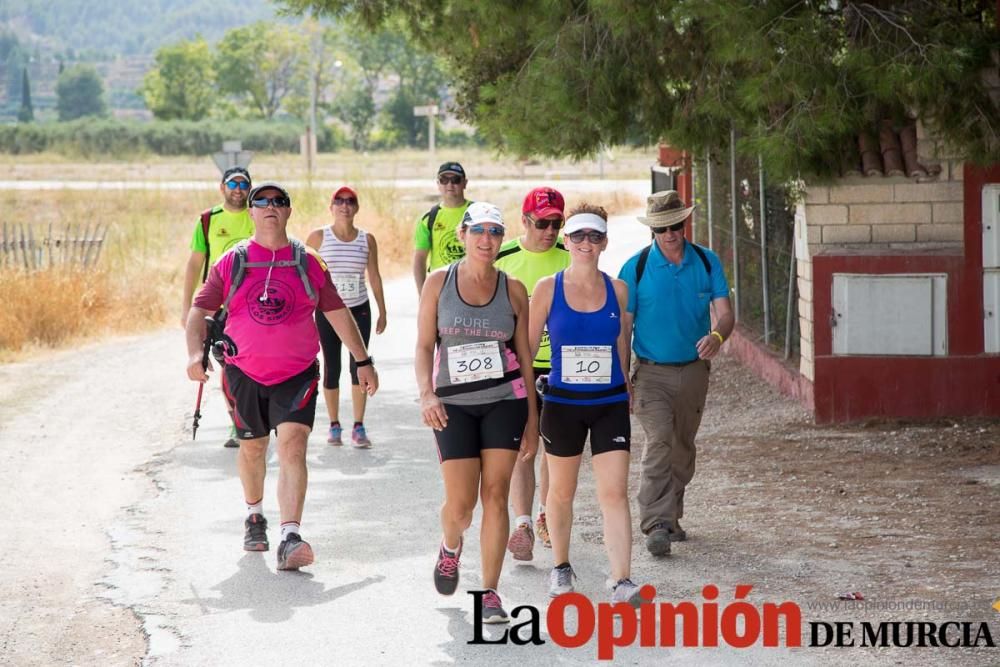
<point x="676" y="289"/>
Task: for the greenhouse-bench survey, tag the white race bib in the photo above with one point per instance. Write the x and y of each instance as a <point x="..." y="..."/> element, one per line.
<point x="474" y="361"/>
<point x="348" y="285"/>
<point x="586" y="364"/>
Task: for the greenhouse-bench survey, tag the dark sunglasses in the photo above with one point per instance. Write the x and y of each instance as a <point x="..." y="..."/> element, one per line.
<point x="449" y="180"/>
<point x="674" y="228"/>
<point x="242" y="185"/>
<point x="555" y="223"/>
<point x="344" y="201"/>
<point x="277" y="202"/>
<point x="593" y="237"/>
<point x="492" y="230"/>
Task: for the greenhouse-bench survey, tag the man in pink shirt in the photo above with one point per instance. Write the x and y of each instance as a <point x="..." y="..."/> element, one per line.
<point x="271" y="373"/>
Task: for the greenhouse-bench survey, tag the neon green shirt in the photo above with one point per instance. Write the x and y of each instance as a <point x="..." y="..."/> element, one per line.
<point x="530" y="267"/>
<point x="443" y="244"/>
<point x="225" y="230"/>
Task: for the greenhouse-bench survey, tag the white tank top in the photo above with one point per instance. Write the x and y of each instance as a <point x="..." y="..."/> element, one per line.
<point x="347" y="262"/>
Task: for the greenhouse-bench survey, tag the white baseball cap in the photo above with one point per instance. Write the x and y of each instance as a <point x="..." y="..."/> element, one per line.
<point x="482" y="212"/>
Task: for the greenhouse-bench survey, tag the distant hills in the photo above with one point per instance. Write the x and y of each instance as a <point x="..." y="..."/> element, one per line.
<point x="99" y="29"/>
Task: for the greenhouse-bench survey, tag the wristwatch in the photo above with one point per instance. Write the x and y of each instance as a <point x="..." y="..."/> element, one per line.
<point x="365" y="362"/>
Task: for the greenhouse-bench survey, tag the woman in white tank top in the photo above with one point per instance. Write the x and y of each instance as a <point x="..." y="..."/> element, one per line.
<point x="349" y="253"/>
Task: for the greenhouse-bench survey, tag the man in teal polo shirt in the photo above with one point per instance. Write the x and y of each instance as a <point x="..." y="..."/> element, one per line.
<point x="675" y="290"/>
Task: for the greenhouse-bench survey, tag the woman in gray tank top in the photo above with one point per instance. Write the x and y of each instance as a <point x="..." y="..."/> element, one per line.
<point x="473" y="369"/>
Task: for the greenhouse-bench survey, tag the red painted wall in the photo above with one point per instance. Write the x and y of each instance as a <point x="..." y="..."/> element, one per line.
<point x="965" y="383"/>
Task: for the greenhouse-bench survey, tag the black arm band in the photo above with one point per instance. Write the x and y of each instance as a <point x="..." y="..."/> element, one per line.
<point x="366" y="362"/>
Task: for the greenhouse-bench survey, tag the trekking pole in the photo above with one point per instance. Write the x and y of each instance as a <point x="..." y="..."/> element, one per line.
<point x="209" y="336"/>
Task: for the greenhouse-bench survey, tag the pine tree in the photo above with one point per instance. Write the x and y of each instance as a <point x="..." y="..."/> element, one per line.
<point x="26" y="113"/>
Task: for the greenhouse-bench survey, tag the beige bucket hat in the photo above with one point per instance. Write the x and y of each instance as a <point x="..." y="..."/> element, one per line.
<point x="665" y="208"/>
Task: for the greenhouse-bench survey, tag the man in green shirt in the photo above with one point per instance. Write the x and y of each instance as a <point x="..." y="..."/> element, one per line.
<point x="435" y="242"/>
<point x="217" y="230"/>
<point x="536" y="254"/>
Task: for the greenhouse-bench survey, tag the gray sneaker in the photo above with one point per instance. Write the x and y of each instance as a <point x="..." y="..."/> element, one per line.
<point x="493" y="611"/>
<point x="626" y="591"/>
<point x="561" y="581"/>
<point x="658" y="540"/>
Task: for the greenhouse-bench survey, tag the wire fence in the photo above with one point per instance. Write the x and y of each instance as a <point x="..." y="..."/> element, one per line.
<point x="78" y="245"/>
<point x="749" y="223"/>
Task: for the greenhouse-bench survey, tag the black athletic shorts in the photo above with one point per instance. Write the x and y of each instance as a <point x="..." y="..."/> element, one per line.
<point x="564" y="428"/>
<point x="473" y="428"/>
<point x="258" y="408"/>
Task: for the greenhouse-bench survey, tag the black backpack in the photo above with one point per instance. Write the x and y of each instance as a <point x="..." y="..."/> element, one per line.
<point x="431" y="217"/>
<point x="300" y="260"/>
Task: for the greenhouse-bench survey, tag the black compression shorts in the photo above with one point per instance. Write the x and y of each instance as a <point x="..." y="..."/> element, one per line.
<point x="564" y="428"/>
<point x="473" y="428"/>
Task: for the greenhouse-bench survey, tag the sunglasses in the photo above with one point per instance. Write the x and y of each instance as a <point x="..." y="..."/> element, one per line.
<point x="478" y="230"/>
<point x="449" y="180"/>
<point x="554" y="223"/>
<point x="674" y="228"/>
<point x="277" y="202"/>
<point x="242" y="185"/>
<point x="593" y="237"/>
<point x="344" y="201"/>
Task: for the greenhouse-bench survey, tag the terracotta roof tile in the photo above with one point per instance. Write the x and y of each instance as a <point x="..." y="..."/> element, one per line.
<point x="892" y="153"/>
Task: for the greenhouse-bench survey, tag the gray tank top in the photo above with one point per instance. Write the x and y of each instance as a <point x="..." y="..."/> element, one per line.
<point x="475" y="361"/>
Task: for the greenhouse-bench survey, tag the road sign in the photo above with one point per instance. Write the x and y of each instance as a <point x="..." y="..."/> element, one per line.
<point x="232" y="155"/>
<point x="426" y="110"/>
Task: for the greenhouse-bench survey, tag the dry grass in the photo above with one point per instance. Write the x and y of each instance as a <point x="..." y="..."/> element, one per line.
<point x="140" y="274"/>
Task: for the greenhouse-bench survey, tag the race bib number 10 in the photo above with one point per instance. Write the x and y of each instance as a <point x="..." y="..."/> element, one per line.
<point x="348" y="284"/>
<point x="586" y="364"/>
<point x="474" y="361"/>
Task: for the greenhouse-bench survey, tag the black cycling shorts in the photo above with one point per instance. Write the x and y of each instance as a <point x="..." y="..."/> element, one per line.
<point x="565" y="426"/>
<point x="473" y="428"/>
<point x="258" y="408"/>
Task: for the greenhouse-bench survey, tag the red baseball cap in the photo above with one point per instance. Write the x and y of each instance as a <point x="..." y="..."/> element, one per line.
<point x="543" y="202"/>
<point x="342" y="189"/>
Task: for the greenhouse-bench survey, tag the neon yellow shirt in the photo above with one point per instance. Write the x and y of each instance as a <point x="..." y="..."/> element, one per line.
<point x="225" y="230"/>
<point x="443" y="244"/>
<point x="530" y="267"/>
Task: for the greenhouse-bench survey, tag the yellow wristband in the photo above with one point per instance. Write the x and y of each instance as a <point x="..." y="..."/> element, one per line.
<point x="719" y="336"/>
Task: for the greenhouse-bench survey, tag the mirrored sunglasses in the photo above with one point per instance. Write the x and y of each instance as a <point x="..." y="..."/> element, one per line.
<point x="492" y="230"/>
<point x="592" y="236"/>
<point x="277" y="202"/>
<point x="242" y="185"/>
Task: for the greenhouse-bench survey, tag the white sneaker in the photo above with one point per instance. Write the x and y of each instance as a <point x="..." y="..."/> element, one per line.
<point x="626" y="591"/>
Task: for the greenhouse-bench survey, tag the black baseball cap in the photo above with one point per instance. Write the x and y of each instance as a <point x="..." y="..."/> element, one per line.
<point x="236" y="171"/>
<point x="451" y="168"/>
<point x="268" y="185"/>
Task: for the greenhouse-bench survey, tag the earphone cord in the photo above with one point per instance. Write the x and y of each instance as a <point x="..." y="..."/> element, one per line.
<point x="267" y="281"/>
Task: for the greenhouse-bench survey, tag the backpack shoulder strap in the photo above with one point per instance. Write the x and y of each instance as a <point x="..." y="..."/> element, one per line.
<point x="206" y="222"/>
<point x="640" y="268"/>
<point x="704" y="258"/>
<point x="237" y="273"/>
<point x="301" y="258"/>
<point x="431" y="217"/>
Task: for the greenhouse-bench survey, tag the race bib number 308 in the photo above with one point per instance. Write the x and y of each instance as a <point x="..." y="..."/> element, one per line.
<point x="586" y="364"/>
<point x="474" y="361"/>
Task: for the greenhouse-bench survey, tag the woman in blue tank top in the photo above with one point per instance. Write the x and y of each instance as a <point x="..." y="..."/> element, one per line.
<point x="473" y="372"/>
<point x="586" y="394"/>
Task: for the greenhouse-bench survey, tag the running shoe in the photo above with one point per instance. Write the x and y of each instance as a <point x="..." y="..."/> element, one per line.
<point x="542" y="530"/>
<point x="360" y="438"/>
<point x="521" y="542"/>
<point x="561" y="580"/>
<point x="232" y="442"/>
<point x="626" y="591"/>
<point x="334" y="435"/>
<point x="658" y="540"/>
<point x="446" y="571"/>
<point x="294" y="552"/>
<point x="493" y="611"/>
<point x="255" y="533"/>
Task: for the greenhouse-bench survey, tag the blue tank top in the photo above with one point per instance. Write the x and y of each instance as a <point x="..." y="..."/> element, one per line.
<point x="585" y="350"/>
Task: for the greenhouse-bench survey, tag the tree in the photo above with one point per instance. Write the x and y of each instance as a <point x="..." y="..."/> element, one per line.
<point x="798" y="80"/>
<point x="79" y="93"/>
<point x="355" y="107"/>
<point x="262" y="63"/>
<point x="181" y="84"/>
<point x="26" y="113"/>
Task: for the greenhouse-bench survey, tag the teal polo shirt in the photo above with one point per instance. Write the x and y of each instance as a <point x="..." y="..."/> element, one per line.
<point x="674" y="303"/>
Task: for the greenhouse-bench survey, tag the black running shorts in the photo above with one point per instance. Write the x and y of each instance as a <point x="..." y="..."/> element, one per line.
<point x="258" y="408"/>
<point x="473" y="428"/>
<point x="565" y="426"/>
